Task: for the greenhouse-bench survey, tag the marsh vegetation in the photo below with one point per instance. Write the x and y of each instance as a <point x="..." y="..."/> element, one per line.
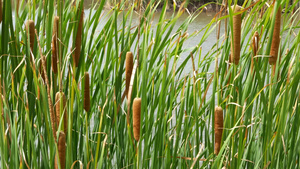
<point x="95" y="89"/>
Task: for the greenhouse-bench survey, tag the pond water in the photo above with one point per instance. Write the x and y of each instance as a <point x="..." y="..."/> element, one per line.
<point x="197" y="25"/>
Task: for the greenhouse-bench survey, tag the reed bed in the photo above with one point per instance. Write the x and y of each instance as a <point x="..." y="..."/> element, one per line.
<point x="77" y="117"/>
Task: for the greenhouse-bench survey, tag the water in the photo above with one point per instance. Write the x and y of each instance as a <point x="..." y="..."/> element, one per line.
<point x="196" y="26"/>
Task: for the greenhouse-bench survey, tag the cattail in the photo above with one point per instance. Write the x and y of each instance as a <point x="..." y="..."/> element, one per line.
<point x="0" y="11"/>
<point x="51" y="109"/>
<point x="58" y="96"/>
<point x="236" y="40"/>
<point x="128" y="70"/>
<point x="61" y="151"/>
<point x="136" y="106"/>
<point x="30" y="28"/>
<point x="86" y="99"/>
<point x="275" y="39"/>
<point x="218" y="128"/>
<point x="255" y="43"/>
<point x="77" y="50"/>
<point x="54" y="45"/>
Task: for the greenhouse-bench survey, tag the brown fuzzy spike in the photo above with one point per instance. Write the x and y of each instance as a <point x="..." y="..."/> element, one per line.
<point x="61" y="145"/>
<point x="136" y="106"/>
<point x="86" y="99"/>
<point x="218" y="128"/>
<point x="255" y="43"/>
<point x="55" y="45"/>
<point x="77" y="50"/>
<point x="275" y="38"/>
<point x="0" y="11"/>
<point x="236" y="40"/>
<point x="58" y="96"/>
<point x="128" y="70"/>
<point x="30" y="27"/>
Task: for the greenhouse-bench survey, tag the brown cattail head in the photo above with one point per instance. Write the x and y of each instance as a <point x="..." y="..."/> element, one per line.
<point x="136" y="106"/>
<point x="236" y="37"/>
<point x="77" y="50"/>
<point x="218" y="128"/>
<point x="30" y="28"/>
<point x="86" y="99"/>
<point x="128" y="70"/>
<point x="55" y="45"/>
<point x="0" y="11"/>
<point x="58" y="107"/>
<point x="61" y="151"/>
<point x="255" y="43"/>
<point x="275" y="38"/>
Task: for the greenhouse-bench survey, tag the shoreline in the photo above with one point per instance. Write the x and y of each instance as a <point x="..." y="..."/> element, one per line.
<point x="191" y="7"/>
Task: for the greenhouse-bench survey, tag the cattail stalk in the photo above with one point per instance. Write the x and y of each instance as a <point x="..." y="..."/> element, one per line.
<point x="77" y="50"/>
<point x="0" y="11"/>
<point x="128" y="70"/>
<point x="51" y="109"/>
<point x="58" y="107"/>
<point x="236" y="37"/>
<point x="136" y="106"/>
<point x="55" y="45"/>
<point x="275" y="38"/>
<point x="86" y="99"/>
<point x="218" y="128"/>
<point x="61" y="151"/>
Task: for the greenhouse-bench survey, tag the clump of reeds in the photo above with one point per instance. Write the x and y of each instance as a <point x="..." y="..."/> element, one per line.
<point x="236" y="40"/>
<point x="77" y="50"/>
<point x="86" y="99"/>
<point x="128" y="70"/>
<point x="218" y="128"/>
<point x="51" y="109"/>
<point x="0" y="11"/>
<point x="61" y="145"/>
<point x="275" y="38"/>
<point x="55" y="45"/>
<point x="136" y="106"/>
<point x="58" y="107"/>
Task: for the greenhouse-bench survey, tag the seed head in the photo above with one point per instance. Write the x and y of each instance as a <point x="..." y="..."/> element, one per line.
<point x="136" y="106"/>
